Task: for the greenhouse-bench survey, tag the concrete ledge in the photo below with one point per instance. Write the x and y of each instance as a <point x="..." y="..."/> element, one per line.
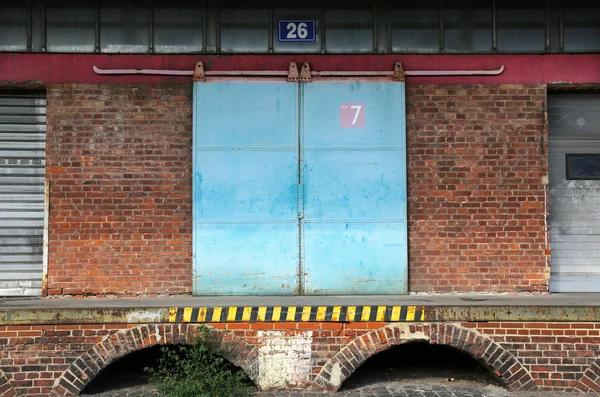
<point x="417" y="308"/>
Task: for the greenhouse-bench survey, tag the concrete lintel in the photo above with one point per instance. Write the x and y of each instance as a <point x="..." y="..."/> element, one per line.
<point x="343" y="313"/>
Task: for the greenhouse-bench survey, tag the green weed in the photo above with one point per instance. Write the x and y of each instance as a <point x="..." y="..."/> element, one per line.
<point x="197" y="371"/>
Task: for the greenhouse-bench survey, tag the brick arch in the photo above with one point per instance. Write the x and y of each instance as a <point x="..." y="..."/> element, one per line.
<point x="84" y="368"/>
<point x="6" y="388"/>
<point x="590" y="380"/>
<point x="502" y="363"/>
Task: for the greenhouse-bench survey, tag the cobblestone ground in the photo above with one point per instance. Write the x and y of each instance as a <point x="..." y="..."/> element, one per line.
<point x="392" y="389"/>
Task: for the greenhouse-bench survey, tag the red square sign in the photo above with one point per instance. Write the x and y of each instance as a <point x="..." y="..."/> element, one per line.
<point x="352" y="115"/>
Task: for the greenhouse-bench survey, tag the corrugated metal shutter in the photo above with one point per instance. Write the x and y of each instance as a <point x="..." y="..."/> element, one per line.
<point x="574" y="128"/>
<point x="22" y="175"/>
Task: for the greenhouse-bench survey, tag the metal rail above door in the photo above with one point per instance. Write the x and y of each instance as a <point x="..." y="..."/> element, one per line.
<point x="200" y="74"/>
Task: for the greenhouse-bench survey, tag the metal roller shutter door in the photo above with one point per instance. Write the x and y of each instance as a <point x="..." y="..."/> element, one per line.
<point x="22" y="180"/>
<point x="574" y="128"/>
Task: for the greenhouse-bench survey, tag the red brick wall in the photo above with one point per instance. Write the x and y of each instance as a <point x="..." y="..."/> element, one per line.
<point x="36" y="359"/>
<point x="476" y="158"/>
<point x="556" y="354"/>
<point x="119" y="166"/>
<point x="119" y="163"/>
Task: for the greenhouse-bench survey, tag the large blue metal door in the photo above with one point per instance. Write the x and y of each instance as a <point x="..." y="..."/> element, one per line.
<point x="245" y="188"/>
<point x="354" y="177"/>
<point x="299" y="188"/>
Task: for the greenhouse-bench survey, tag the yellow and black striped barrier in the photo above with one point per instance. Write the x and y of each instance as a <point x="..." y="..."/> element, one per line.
<point x="232" y="314"/>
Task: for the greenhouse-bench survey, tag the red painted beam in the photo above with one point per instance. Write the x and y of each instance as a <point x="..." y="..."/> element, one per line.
<point x="77" y="68"/>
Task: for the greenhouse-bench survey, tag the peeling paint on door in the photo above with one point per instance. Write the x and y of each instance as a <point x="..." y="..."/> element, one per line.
<point x="299" y="188"/>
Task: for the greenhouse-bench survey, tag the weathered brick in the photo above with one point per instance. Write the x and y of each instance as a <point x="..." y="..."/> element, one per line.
<point x="475" y="167"/>
<point x="119" y="162"/>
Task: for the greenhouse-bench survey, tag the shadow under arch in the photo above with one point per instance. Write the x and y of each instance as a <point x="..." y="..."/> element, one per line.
<point x="6" y="388"/>
<point x="502" y="363"/>
<point x="89" y="364"/>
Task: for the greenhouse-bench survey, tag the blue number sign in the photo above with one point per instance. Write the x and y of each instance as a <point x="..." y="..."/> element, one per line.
<point x="297" y="30"/>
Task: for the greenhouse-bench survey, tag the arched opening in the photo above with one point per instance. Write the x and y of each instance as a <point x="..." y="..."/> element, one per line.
<point x="127" y="374"/>
<point x="420" y="362"/>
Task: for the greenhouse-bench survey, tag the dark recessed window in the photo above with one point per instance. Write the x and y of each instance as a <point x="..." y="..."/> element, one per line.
<point x="583" y="166"/>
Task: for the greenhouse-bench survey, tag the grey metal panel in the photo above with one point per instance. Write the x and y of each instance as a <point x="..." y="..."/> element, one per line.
<point x="125" y="27"/>
<point x="19" y="258"/>
<point x="22" y="267"/>
<point x="22" y="223"/>
<point x="30" y="136"/>
<point x="22" y="110"/>
<point x="575" y="215"/>
<point x="178" y="27"/>
<point x="21" y="128"/>
<point x="40" y="171"/>
<point x="521" y="26"/>
<point x="468" y="26"/>
<point x="244" y="30"/>
<point x="586" y="223"/>
<point x="21" y="241"/>
<point x="574" y="127"/>
<point x="415" y="27"/>
<point x="573" y="116"/>
<point x="17" y="118"/>
<point x="23" y="205"/>
<point x="33" y="233"/>
<point x="21" y="189"/>
<point x="350" y="29"/>
<point x="574" y="283"/>
<point x="25" y="284"/>
<point x="576" y="255"/>
<point x="18" y="101"/>
<point x="70" y="26"/>
<point x="13" y="25"/>
<point x="20" y="214"/>
<point x="581" y="26"/>
<point x="22" y="177"/>
<point x="22" y="290"/>
<point x="23" y="198"/>
<point x="573" y="239"/>
<point x="22" y="146"/>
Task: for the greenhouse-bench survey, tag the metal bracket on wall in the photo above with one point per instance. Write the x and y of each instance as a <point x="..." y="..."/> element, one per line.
<point x="199" y="75"/>
<point x="399" y="72"/>
<point x="305" y="74"/>
<point x="293" y="73"/>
